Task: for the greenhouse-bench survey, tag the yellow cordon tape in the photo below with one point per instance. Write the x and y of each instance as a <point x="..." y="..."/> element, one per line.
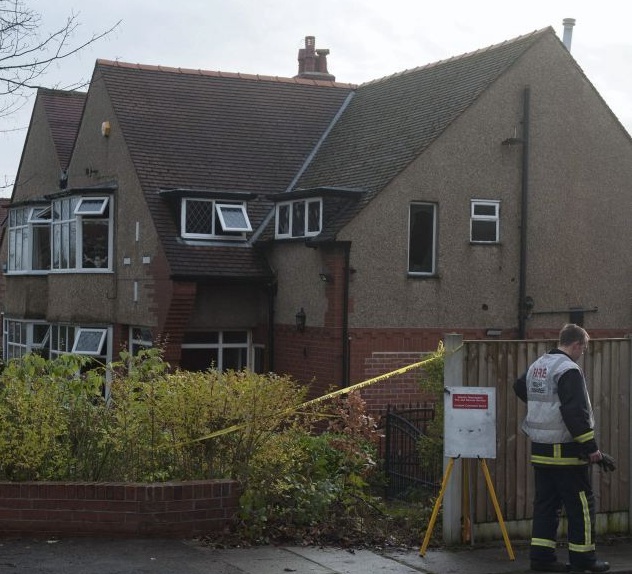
<point x="333" y="394"/>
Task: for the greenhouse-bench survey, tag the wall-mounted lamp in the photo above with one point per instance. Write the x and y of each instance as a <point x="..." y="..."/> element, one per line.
<point x="527" y="306"/>
<point x="326" y="277"/>
<point x="301" y="319"/>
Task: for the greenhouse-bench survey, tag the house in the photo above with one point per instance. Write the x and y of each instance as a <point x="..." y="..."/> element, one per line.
<point x="321" y="229"/>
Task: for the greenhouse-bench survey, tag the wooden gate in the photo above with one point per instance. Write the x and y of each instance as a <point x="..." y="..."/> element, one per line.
<point x="606" y="365"/>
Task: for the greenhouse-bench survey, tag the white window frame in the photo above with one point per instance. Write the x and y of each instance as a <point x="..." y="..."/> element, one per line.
<point x="34" y="224"/>
<point x="221" y="207"/>
<point x="477" y="217"/>
<point x="67" y="230"/>
<point x="291" y="232"/>
<point x="227" y="232"/>
<point x="97" y="350"/>
<point x="100" y="210"/>
<point x="19" y="240"/>
<point x="44" y="342"/>
<point x="221" y="345"/>
<point x="433" y="250"/>
<point x="144" y="340"/>
<point x="40" y="214"/>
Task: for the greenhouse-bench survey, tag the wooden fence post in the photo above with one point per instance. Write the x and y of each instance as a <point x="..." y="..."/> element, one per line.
<point x="453" y="377"/>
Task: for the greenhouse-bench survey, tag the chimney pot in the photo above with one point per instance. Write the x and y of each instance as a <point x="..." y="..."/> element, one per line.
<point x="568" y="32"/>
<point x="312" y="63"/>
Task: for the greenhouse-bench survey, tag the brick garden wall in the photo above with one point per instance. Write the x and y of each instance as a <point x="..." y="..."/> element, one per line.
<point x="402" y="389"/>
<point x="173" y="509"/>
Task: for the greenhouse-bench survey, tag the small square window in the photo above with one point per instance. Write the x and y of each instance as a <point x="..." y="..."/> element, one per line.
<point x="91" y="206"/>
<point x="485" y="221"/>
<point x="89" y="341"/>
<point x="233" y="217"/>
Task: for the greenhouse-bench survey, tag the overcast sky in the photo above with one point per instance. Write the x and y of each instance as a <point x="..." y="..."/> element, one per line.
<point x="367" y="39"/>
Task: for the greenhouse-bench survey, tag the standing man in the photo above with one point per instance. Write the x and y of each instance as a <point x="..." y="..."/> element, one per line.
<point x="560" y="424"/>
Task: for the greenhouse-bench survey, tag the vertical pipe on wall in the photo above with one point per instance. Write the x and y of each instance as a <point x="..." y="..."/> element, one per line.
<point x="272" y="290"/>
<point x="346" y="347"/>
<point x="522" y="311"/>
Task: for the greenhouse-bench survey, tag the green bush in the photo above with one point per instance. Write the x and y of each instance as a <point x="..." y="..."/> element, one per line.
<point x="55" y="423"/>
<point x="302" y="480"/>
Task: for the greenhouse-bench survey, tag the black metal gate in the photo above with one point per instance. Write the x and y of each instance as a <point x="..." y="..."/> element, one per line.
<point x="405" y="473"/>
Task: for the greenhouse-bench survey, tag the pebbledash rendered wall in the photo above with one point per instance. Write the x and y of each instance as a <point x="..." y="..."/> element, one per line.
<point x="171" y="509"/>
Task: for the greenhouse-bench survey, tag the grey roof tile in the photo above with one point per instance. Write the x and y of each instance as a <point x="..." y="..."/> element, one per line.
<point x="391" y="121"/>
<point x="217" y="132"/>
<point x="64" y="110"/>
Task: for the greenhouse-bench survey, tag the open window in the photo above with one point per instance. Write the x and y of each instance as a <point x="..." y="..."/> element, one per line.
<point x="209" y="219"/>
<point x="91" y="206"/>
<point x="89" y="341"/>
<point x="40" y="214"/>
<point x="81" y="233"/>
<point x="233" y="217"/>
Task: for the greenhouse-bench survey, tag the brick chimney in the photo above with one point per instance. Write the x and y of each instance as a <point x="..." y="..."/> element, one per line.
<point x="312" y="63"/>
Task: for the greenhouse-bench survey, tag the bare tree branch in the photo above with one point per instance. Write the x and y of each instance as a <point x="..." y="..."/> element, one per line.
<point x="26" y="54"/>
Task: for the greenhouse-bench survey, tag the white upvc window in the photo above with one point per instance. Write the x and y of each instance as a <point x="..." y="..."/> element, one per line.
<point x="422" y="239"/>
<point x="140" y="338"/>
<point x="233" y="217"/>
<point x="299" y="218"/>
<point x="91" y="206"/>
<point x="210" y="219"/>
<point x="82" y="235"/>
<point x="484" y="221"/>
<point x="221" y="350"/>
<point x="53" y="340"/>
<point x="29" y="239"/>
<point x="89" y="341"/>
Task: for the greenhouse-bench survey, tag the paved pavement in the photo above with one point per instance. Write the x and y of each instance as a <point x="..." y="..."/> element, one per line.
<point x="152" y="556"/>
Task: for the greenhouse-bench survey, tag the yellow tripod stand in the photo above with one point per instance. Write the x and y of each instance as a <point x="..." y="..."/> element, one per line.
<point x="492" y="493"/>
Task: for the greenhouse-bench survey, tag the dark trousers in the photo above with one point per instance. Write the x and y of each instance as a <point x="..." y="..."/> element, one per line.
<point x="568" y="487"/>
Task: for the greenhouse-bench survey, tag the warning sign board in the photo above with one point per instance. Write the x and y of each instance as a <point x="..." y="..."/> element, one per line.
<point x="470" y="422"/>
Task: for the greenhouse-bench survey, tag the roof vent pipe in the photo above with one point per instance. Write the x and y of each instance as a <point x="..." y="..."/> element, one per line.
<point x="568" y="32"/>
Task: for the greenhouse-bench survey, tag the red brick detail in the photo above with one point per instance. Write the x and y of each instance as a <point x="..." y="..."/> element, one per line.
<point x="180" y="309"/>
<point x="174" y="509"/>
<point x="406" y="388"/>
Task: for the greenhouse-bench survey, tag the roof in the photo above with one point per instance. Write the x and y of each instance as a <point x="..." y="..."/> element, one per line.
<point x="63" y="109"/>
<point x="391" y="121"/>
<point x="216" y="132"/>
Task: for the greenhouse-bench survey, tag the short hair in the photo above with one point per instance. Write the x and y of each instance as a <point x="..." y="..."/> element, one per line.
<point x="572" y="333"/>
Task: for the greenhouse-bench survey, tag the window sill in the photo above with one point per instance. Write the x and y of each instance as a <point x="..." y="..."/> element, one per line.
<point x="412" y="275"/>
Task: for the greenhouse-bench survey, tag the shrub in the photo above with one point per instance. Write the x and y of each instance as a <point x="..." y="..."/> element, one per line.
<point x="303" y="480"/>
<point x="55" y="423"/>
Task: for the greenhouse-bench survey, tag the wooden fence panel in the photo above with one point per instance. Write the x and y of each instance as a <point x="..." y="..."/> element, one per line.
<point x="497" y="364"/>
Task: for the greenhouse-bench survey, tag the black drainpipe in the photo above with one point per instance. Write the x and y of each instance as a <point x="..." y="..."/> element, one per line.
<point x="272" y="291"/>
<point x="346" y="343"/>
<point x="522" y="296"/>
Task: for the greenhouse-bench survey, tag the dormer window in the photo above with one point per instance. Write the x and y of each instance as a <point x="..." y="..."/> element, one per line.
<point x="299" y="218"/>
<point x="211" y="219"/>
